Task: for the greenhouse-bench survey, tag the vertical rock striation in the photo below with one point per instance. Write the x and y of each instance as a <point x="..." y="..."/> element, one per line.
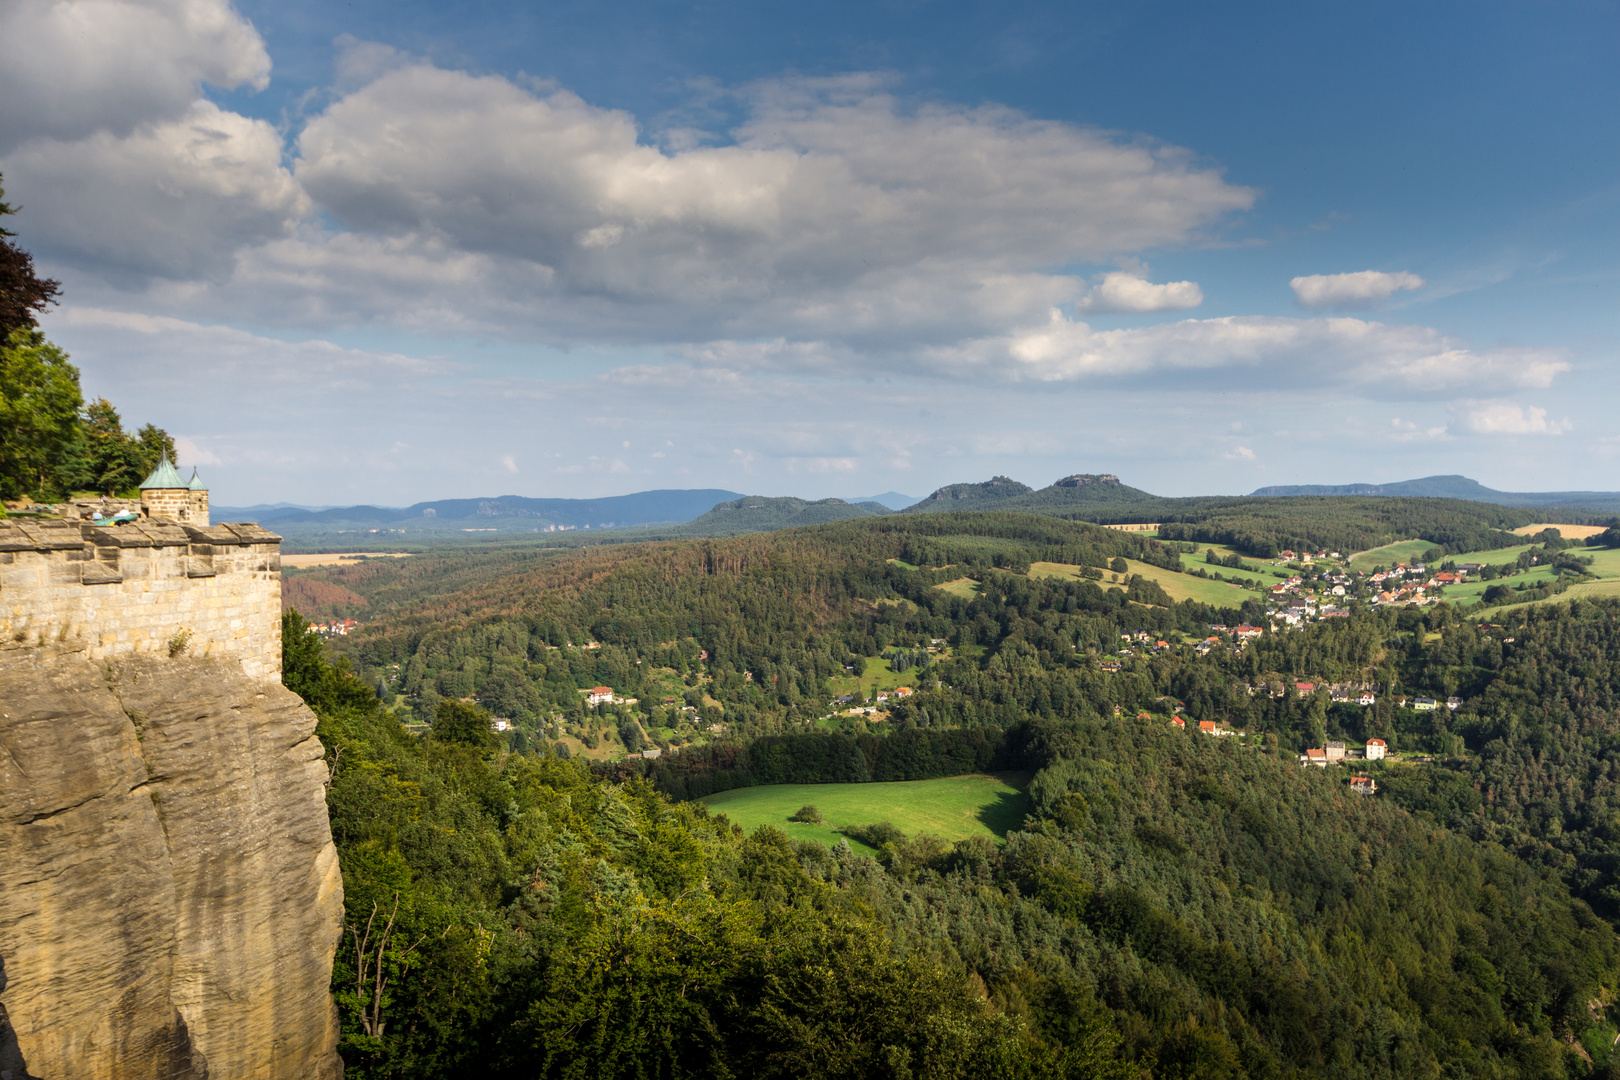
<point x="169" y="893"/>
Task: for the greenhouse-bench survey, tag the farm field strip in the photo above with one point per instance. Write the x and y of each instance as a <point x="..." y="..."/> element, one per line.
<point x="953" y="807"/>
<point x="1568" y="532"/>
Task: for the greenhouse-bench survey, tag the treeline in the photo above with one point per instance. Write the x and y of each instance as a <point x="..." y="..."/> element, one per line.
<point x="1264" y="528"/>
<point x="826" y="758"/>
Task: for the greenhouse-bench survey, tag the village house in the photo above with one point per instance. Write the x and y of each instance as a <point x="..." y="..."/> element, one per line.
<point x="1314" y="757"/>
<point x="1363" y="785"/>
<point x="1335" y="751"/>
<point x="902" y="691"/>
<point x="1377" y="749"/>
<point x="1178" y="722"/>
<point x="1424" y="704"/>
<point x="1366" y="698"/>
<point x="599" y="695"/>
<point x="1453" y="703"/>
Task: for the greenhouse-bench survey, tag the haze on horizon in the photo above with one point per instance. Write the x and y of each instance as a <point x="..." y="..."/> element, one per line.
<point x="390" y="252"/>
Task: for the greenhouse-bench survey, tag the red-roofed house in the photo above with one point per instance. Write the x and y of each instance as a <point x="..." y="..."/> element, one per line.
<point x="1376" y="749"/>
<point x="1314" y="757"/>
<point x="599" y="695"/>
<point x="1177" y="721"/>
<point x="1362" y="785"/>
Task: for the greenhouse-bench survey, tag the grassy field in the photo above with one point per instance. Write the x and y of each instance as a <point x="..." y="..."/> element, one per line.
<point x="965" y="587"/>
<point x="1402" y="551"/>
<point x="1470" y="592"/>
<point x="1493" y="557"/>
<point x="954" y="807"/>
<point x="1179" y="586"/>
<point x="1251" y="566"/>
<point x="879" y="675"/>
<point x="1605" y="565"/>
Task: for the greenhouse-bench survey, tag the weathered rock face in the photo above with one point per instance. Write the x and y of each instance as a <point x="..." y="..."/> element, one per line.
<point x="169" y="894"/>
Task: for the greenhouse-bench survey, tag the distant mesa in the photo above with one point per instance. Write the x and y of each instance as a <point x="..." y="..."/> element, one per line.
<point x="1087" y="480"/>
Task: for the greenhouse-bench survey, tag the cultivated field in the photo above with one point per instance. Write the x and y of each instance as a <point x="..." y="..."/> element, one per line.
<point x="954" y="807"/>
<point x="300" y="562"/>
<point x="1568" y="532"/>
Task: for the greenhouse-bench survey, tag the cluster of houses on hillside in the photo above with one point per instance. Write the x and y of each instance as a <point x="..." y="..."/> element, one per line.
<point x="334" y="628"/>
<point x="1293" y="602"/>
<point x="1335" y="752"/>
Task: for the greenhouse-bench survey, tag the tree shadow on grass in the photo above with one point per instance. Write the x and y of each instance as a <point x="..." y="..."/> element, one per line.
<point x="1005" y="814"/>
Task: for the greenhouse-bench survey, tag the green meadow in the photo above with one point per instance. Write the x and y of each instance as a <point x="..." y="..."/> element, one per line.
<point x="953" y="807"/>
<point x="1178" y="586"/>
<point x="1402" y="551"/>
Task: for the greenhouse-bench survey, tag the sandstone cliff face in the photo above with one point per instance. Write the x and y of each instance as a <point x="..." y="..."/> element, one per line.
<point x="169" y="894"/>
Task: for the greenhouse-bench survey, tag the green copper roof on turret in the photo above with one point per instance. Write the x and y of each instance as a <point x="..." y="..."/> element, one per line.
<point x="164" y="476"/>
<point x="196" y="482"/>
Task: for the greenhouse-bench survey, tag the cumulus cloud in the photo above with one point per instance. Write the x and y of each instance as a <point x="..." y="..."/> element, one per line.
<point x="1332" y="351"/>
<point x="1125" y="293"/>
<point x="175" y="198"/>
<point x="1362" y="289"/>
<point x="834" y="204"/>
<point x="1507" y="418"/>
<point x="71" y="69"/>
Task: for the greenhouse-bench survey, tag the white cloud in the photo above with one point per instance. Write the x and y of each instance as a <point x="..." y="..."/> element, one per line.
<point x="187" y="451"/>
<point x="835" y="207"/>
<point x="1361" y="289"/>
<point x="1333" y="351"/>
<point x="1122" y="293"/>
<point x="71" y="69"/>
<point x="175" y="198"/>
<point x="1411" y="431"/>
<point x="1506" y="418"/>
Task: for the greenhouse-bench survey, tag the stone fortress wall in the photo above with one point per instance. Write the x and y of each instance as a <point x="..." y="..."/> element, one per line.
<point x="145" y="587"/>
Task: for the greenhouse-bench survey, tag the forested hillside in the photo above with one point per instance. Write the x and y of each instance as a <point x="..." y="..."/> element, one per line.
<point x="1177" y="903"/>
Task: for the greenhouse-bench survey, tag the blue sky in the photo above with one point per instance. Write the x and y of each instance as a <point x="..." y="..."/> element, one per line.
<point x="394" y="251"/>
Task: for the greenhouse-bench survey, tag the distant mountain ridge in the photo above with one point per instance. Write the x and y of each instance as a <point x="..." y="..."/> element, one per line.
<point x="1455" y="487"/>
<point x="664" y="506"/>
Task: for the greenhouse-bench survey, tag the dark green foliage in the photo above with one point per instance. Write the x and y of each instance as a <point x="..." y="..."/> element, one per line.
<point x="461" y="723"/>
<point x="547" y="923"/>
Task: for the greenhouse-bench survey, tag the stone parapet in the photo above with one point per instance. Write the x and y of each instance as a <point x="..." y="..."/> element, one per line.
<point x="151" y="586"/>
